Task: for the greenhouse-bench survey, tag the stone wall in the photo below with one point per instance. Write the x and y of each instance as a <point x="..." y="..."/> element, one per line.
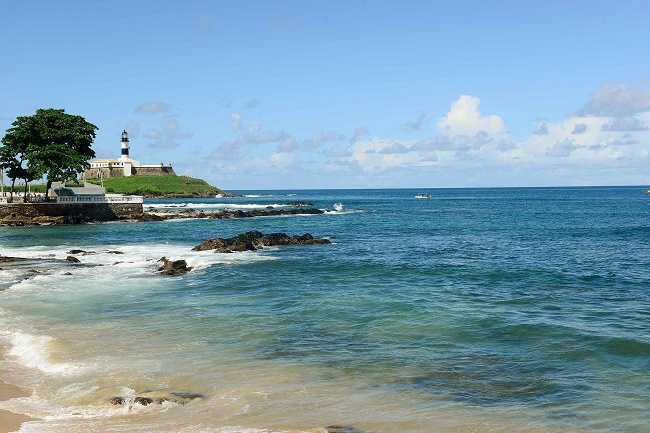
<point x="163" y="170"/>
<point x="72" y="213"/>
<point x="107" y="173"/>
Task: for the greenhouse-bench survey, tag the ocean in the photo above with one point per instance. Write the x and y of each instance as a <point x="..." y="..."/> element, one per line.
<point x="478" y="310"/>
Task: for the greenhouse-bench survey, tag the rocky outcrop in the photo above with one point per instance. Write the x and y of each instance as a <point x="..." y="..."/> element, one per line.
<point x="255" y="240"/>
<point x="155" y="397"/>
<point x="227" y="213"/>
<point x="22" y="214"/>
<point x="226" y="194"/>
<point x="173" y="267"/>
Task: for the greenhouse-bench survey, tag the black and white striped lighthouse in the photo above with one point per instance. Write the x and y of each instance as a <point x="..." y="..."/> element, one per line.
<point x="125" y="146"/>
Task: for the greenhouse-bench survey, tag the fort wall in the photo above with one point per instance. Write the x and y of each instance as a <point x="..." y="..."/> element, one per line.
<point x="72" y="213"/>
<point x="110" y="172"/>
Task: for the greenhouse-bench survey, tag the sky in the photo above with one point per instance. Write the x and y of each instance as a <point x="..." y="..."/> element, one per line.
<point x="253" y="95"/>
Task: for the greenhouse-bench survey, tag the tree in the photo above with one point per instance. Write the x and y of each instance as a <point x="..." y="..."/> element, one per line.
<point x="13" y="158"/>
<point x="50" y="143"/>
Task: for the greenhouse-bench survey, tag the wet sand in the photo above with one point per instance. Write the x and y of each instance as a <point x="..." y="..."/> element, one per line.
<point x="9" y="421"/>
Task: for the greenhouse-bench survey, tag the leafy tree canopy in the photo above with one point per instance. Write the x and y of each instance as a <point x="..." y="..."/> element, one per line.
<point x="50" y="143"/>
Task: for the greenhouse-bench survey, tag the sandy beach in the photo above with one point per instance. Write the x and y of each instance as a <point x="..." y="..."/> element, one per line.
<point x="9" y="421"/>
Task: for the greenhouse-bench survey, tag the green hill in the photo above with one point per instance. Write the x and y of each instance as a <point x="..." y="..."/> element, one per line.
<point x="159" y="186"/>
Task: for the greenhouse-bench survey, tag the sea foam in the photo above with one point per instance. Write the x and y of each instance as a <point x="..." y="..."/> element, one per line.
<point x="32" y="351"/>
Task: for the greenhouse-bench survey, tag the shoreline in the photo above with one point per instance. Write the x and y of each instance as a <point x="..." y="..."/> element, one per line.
<point x="11" y="421"/>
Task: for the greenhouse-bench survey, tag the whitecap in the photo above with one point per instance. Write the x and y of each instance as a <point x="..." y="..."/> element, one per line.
<point x="32" y="351"/>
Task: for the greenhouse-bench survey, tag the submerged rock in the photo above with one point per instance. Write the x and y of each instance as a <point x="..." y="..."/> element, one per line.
<point x="73" y="259"/>
<point x="173" y="267"/>
<point x="146" y="398"/>
<point x="342" y="429"/>
<point x="255" y="240"/>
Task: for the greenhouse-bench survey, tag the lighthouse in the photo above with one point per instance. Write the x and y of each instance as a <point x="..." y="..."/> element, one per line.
<point x="124" y="157"/>
<point x="125" y="146"/>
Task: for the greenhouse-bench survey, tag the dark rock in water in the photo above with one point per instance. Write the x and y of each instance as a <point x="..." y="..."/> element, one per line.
<point x="255" y="240"/>
<point x="76" y="252"/>
<point x="73" y="259"/>
<point x="173" y="267"/>
<point x="299" y="203"/>
<point x="226" y="194"/>
<point x="342" y="429"/>
<point x="146" y="398"/>
<point x="149" y="217"/>
<point x="118" y="401"/>
<point x="114" y="252"/>
<point x="4" y="259"/>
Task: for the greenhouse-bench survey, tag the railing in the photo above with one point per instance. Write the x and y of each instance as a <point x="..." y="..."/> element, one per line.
<point x="108" y="198"/>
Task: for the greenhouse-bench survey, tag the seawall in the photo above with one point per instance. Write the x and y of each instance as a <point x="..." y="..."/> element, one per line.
<point x="73" y="213"/>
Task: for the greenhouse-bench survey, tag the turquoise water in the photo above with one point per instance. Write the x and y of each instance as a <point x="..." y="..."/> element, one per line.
<point x="477" y="310"/>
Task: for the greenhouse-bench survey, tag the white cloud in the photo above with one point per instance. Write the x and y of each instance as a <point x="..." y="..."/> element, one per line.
<point x="338" y="152"/>
<point x="393" y="148"/>
<point x="153" y="107"/>
<point x="562" y="149"/>
<point x="359" y="133"/>
<point x="253" y="103"/>
<point x="579" y="128"/>
<point x="417" y="124"/>
<point x="153" y="134"/>
<point x="168" y="134"/>
<point x="320" y="138"/>
<point x="236" y="121"/>
<point x="471" y="149"/>
<point x="624" y="124"/>
<point x="616" y="100"/>
<point x="542" y="130"/>
<point x="464" y="118"/>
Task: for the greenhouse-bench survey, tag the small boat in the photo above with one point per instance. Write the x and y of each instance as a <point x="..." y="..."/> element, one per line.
<point x="423" y="195"/>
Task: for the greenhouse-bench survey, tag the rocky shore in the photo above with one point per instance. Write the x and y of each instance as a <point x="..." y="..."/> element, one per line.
<point x="254" y="240"/>
<point x="228" y="213"/>
<point x="16" y="219"/>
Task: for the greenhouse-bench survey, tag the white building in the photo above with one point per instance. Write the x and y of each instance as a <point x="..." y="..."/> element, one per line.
<point x="125" y="165"/>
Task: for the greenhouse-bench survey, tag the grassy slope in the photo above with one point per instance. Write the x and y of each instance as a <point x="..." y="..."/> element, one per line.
<point x="159" y="185"/>
<point x="147" y="185"/>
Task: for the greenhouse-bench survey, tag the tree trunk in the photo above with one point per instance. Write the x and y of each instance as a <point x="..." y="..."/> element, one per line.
<point x="47" y="188"/>
<point x="25" y="192"/>
<point x="11" y="193"/>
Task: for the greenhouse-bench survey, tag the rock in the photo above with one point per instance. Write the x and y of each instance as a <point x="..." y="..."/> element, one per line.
<point x="73" y="259"/>
<point x="118" y="401"/>
<point x="342" y="429"/>
<point x="76" y="252"/>
<point x="4" y="259"/>
<point x="149" y="217"/>
<point x="173" y="267"/>
<point x="226" y="194"/>
<point x="255" y="240"/>
<point x="146" y="398"/>
<point x="299" y="203"/>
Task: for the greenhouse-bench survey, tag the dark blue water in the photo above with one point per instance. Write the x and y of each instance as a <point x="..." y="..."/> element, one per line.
<point x="529" y="302"/>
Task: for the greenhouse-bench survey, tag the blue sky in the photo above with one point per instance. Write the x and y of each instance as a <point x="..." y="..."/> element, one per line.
<point x="346" y="94"/>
